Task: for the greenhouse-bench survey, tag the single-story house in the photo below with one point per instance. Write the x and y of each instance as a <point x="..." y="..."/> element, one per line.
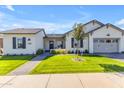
<point x="101" y="38"/>
<point x="22" y="41"/>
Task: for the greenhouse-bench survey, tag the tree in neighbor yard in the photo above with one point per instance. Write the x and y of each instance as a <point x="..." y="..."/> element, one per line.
<point x="78" y="34"/>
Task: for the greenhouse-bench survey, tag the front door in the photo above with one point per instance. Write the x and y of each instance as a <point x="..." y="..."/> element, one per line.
<point x="51" y="44"/>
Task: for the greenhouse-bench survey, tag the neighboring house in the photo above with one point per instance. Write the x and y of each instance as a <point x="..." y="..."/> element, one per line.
<point x="22" y="41"/>
<point x="101" y="38"/>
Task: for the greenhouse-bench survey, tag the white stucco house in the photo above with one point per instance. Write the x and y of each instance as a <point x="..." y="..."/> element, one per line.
<point x="22" y="41"/>
<point x="101" y="38"/>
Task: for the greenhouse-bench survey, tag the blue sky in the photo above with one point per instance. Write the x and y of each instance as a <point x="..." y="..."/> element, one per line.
<point x="58" y="19"/>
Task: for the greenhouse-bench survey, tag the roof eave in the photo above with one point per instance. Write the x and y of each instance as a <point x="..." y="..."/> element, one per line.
<point x="100" y="23"/>
<point x="108" y="25"/>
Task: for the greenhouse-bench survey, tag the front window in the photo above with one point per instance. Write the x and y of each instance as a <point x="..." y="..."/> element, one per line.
<point x="115" y="41"/>
<point x="95" y="41"/>
<point x="19" y="43"/>
<point x="101" y="41"/>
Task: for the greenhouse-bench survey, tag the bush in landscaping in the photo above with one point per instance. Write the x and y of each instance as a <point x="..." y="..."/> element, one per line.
<point x="72" y="52"/>
<point x="86" y="51"/>
<point x="40" y="51"/>
<point x="58" y="51"/>
<point x="53" y="52"/>
<point x="69" y="52"/>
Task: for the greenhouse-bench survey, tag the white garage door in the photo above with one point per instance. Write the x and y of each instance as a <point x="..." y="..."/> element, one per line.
<point x="105" y="45"/>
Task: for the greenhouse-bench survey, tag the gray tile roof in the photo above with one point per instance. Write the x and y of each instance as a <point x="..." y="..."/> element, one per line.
<point x="23" y="31"/>
<point x="55" y="35"/>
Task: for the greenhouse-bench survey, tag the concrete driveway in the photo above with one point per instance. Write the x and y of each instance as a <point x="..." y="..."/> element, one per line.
<point x="114" y="56"/>
<point x="83" y="80"/>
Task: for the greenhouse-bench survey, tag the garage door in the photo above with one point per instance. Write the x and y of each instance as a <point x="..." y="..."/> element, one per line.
<point x="105" y="45"/>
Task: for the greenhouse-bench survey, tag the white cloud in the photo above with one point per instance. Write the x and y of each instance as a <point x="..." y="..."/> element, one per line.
<point x="1" y="14"/>
<point x="120" y="23"/>
<point x="16" y="25"/>
<point x="9" y="22"/>
<point x="10" y="7"/>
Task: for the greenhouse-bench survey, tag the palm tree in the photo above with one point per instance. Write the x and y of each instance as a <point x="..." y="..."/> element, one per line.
<point x="78" y="34"/>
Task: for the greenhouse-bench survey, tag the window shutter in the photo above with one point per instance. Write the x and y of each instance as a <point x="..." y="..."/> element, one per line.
<point x="72" y="42"/>
<point x="62" y="45"/>
<point x="81" y="43"/>
<point x="24" y="42"/>
<point x="14" y="42"/>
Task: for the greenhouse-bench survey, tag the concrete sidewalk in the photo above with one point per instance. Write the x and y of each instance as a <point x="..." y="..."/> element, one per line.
<point x="28" y="66"/>
<point x="84" y="80"/>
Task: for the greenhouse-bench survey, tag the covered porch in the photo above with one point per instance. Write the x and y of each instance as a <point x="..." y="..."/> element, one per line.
<point x="54" y="41"/>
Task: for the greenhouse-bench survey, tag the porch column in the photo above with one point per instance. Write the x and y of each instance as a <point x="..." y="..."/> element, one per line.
<point x="121" y="44"/>
<point x="90" y="44"/>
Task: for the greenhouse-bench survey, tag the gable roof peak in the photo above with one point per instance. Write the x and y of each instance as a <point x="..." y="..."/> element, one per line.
<point x="108" y="24"/>
<point x="94" y="21"/>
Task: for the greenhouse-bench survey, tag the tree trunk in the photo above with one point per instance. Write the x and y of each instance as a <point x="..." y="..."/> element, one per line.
<point x="77" y="47"/>
<point x="77" y="50"/>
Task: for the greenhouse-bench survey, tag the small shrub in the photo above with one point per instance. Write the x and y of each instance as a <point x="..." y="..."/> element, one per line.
<point x="72" y="52"/>
<point x="69" y="52"/>
<point x="53" y="52"/>
<point x="40" y="51"/>
<point x="14" y="54"/>
<point x="86" y="51"/>
<point x="75" y="51"/>
<point x="21" y="54"/>
<point x="7" y="54"/>
<point x="122" y="52"/>
<point x="79" y="52"/>
<point x="66" y="52"/>
<point x="58" y="51"/>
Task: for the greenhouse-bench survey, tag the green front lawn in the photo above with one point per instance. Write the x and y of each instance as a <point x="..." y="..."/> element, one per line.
<point x="8" y="63"/>
<point x="65" y="64"/>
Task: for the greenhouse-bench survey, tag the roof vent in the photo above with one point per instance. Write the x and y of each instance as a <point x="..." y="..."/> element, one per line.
<point x="108" y="35"/>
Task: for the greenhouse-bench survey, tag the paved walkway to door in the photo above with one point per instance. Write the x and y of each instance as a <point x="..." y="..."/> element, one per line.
<point x="82" y="80"/>
<point x="28" y="66"/>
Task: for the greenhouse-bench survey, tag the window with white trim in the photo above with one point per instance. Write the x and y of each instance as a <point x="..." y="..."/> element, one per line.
<point x="19" y="43"/>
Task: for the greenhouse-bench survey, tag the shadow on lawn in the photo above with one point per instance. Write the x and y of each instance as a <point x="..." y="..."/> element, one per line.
<point x="85" y="55"/>
<point x="92" y="55"/>
<point x="112" y="68"/>
<point x="22" y="57"/>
